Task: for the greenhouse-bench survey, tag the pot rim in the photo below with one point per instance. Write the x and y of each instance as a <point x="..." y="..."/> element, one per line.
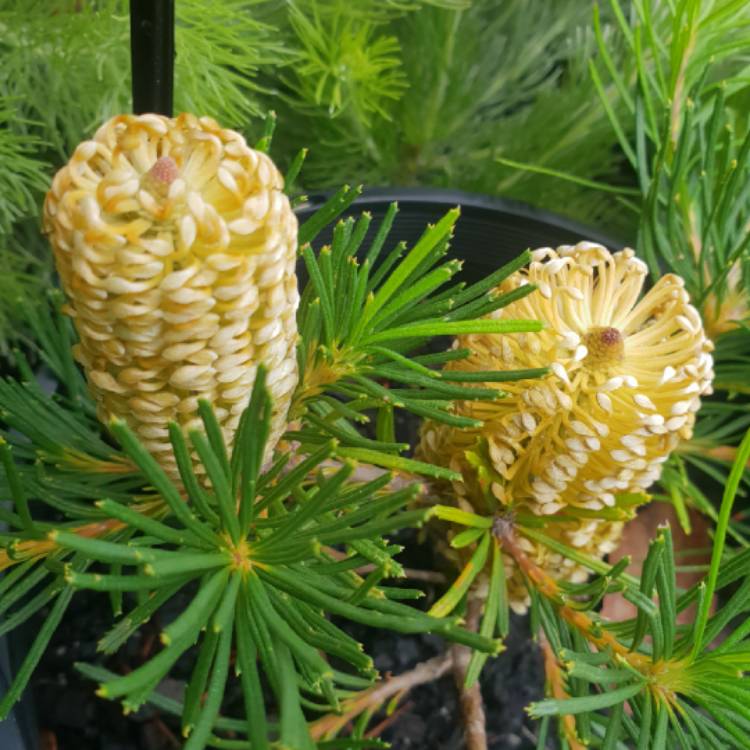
<point x="473" y="205"/>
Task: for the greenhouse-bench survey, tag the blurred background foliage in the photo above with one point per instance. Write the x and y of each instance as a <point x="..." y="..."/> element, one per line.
<point x="451" y="93"/>
<point x="459" y="88"/>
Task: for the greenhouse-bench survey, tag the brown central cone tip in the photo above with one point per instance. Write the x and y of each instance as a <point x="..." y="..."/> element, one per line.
<point x="164" y="170"/>
<point x="161" y="175"/>
<point x="605" y="344"/>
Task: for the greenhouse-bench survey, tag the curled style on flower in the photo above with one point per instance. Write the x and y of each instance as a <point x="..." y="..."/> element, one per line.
<point x="728" y="311"/>
<point x="625" y="381"/>
<point x="176" y="248"/>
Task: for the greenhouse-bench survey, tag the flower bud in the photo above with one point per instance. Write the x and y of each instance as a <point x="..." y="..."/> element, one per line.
<point x="626" y="375"/>
<point x="176" y="248"/>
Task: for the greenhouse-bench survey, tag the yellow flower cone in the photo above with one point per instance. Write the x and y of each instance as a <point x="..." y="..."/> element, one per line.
<point x="176" y="248"/>
<point x="626" y="377"/>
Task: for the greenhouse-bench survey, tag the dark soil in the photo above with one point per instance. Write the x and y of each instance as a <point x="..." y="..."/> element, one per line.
<point x="430" y="716"/>
<point x="71" y="717"/>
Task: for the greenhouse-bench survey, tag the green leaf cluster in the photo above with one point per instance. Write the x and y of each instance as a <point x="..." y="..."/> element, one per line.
<point x="648" y="682"/>
<point x="682" y="688"/>
<point x="263" y="551"/>
<point x="464" y="86"/>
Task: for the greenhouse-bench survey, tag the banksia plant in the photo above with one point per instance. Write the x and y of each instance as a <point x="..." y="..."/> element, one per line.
<point x="176" y="247"/>
<point x="573" y="393"/>
<point x="262" y="561"/>
<point x="625" y="382"/>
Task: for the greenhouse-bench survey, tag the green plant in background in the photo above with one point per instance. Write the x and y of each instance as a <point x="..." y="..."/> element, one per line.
<point x="400" y="92"/>
<point x="467" y="86"/>
<point x="81" y="52"/>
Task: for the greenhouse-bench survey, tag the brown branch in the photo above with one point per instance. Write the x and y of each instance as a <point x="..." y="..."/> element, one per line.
<point x="428" y="576"/>
<point x="27" y="549"/>
<point x="556" y="687"/>
<point x="548" y="587"/>
<point x="724" y="453"/>
<point x="389" y="720"/>
<point x="375" y="696"/>
<point x="472" y="706"/>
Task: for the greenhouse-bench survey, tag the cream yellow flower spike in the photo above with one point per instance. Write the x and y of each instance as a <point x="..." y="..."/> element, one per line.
<point x="176" y="247"/>
<point x="626" y="377"/>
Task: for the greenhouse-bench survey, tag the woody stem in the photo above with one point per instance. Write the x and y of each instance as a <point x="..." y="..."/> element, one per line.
<point x="472" y="705"/>
<point x="548" y="587"/>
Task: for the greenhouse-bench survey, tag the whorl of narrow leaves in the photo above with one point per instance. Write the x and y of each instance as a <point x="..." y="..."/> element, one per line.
<point x="683" y="688"/>
<point x="649" y="682"/>
<point x="364" y="316"/>
<point x="265" y="582"/>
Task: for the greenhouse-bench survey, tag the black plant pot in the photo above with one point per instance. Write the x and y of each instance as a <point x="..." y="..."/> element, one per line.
<point x="18" y="731"/>
<point x="490" y="232"/>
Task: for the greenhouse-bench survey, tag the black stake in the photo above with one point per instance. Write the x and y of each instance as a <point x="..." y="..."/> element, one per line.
<point x="152" y="55"/>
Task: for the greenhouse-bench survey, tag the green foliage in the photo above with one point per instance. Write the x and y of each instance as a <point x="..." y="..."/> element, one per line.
<point x="449" y="93"/>
<point x="342" y="66"/>
<point x="23" y="177"/>
<point x="81" y="53"/>
<point x="690" y="143"/>
<point x="249" y="544"/>
<point x="266" y="550"/>
<point x="262" y="551"/>
<point x="22" y="173"/>
<point x="674" y="88"/>
<point x="661" y="670"/>
<point x="358" y="329"/>
<point x="261" y="568"/>
<point x="677" y="103"/>
<point x="25" y="276"/>
<point x="474" y="84"/>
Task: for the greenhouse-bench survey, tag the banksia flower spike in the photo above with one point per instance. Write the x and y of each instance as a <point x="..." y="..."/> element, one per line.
<point x="625" y="381"/>
<point x="176" y="248"/>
